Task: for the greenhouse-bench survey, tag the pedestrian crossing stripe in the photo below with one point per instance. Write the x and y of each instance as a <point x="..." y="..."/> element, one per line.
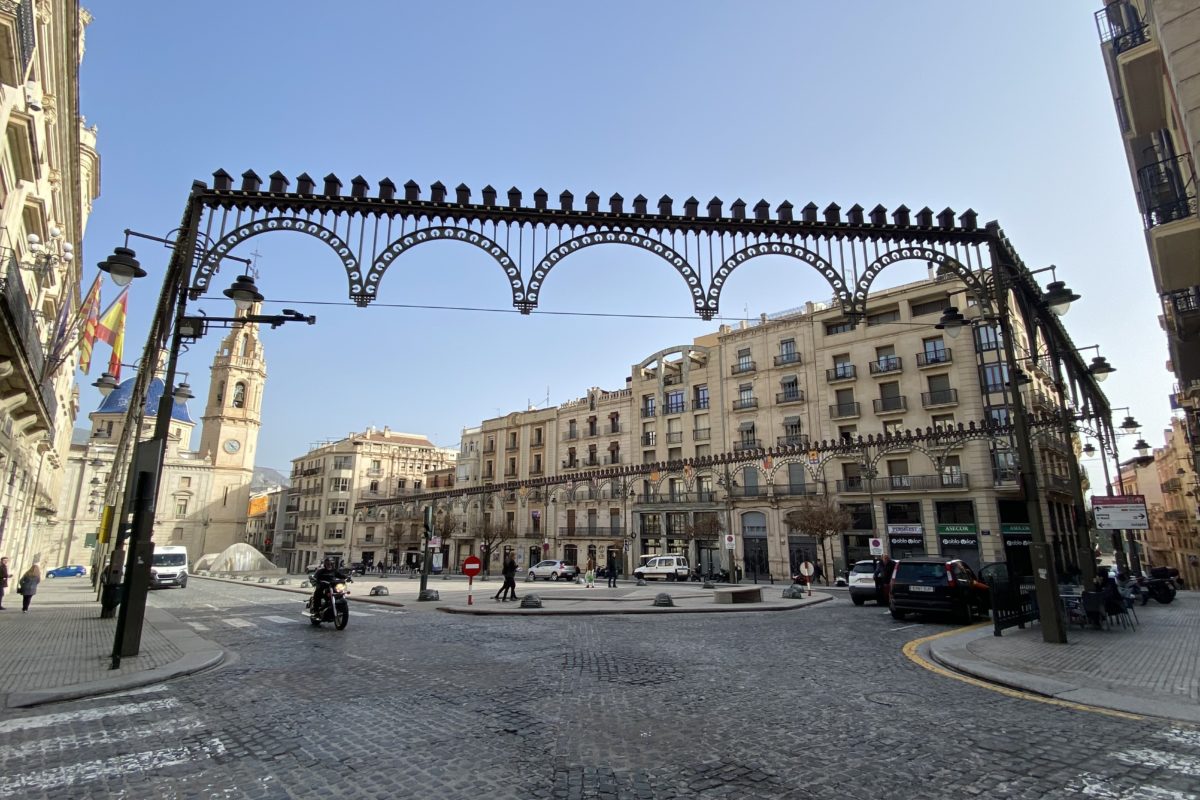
<point x="148" y="762"/>
<point x="237" y="622"/>
<point x="86" y="715"/>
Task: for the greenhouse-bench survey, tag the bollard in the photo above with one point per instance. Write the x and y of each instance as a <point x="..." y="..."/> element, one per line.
<point x="428" y="594"/>
<point x="663" y="600"/>
<point x="377" y="591"/>
<point x="282" y="582"/>
<point x="530" y="601"/>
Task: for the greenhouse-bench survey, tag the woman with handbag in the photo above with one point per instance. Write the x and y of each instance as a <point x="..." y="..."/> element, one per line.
<point x="27" y="587"/>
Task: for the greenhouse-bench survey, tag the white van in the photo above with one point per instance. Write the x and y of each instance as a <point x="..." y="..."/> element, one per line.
<point x="169" y="567"/>
<point x="671" y="568"/>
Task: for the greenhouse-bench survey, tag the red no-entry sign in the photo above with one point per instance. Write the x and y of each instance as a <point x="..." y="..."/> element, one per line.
<point x="472" y="566"/>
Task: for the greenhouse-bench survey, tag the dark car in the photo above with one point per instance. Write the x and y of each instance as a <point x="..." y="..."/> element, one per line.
<point x="938" y="585"/>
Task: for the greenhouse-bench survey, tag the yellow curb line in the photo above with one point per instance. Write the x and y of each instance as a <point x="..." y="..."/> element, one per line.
<point x="910" y="651"/>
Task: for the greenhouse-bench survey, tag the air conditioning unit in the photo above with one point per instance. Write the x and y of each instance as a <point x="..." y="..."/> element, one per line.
<point x="33" y="96"/>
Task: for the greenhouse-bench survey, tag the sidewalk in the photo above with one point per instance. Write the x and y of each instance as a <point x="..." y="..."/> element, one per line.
<point x="62" y="650"/>
<point x="1154" y="670"/>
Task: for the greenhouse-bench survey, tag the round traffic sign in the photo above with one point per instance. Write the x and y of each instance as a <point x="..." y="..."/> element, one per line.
<point x="806" y="569"/>
<point x="472" y="566"/>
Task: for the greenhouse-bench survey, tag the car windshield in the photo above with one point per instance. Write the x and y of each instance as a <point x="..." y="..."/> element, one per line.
<point x="920" y="573"/>
<point x="864" y="569"/>
<point x="169" y="559"/>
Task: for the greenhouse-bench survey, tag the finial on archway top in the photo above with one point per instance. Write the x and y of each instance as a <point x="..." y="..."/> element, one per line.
<point x="305" y="184"/>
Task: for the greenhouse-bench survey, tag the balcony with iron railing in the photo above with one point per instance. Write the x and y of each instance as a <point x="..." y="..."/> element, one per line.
<point x="841" y="372"/>
<point x="674" y="408"/>
<point x="940" y="397"/>
<point x="885" y="405"/>
<point x="1175" y="515"/>
<point x="886" y="365"/>
<point x="789" y="396"/>
<point x="1060" y="482"/>
<point x="1168" y="191"/>
<point x="906" y="483"/>
<point x="586" y="531"/>
<point x="570" y="436"/>
<point x="677" y="497"/>
<point x="674" y="437"/>
<point x="844" y="410"/>
<point x="743" y="367"/>
<point x="798" y="489"/>
<point x="934" y="357"/>
<point x="1123" y="25"/>
<point x="745" y="403"/>
<point x="793" y="440"/>
<point x="649" y="439"/>
<point x="702" y="434"/>
<point x="749" y="491"/>
<point x="612" y="458"/>
<point x="647" y="412"/>
<point x="747" y="444"/>
<point x="570" y="463"/>
<point x="699" y="403"/>
<point x="787" y="359"/>
<point x="1171" y="485"/>
<point x="614" y="428"/>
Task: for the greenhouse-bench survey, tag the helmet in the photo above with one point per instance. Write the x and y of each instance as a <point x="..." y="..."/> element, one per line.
<point x="327" y="563"/>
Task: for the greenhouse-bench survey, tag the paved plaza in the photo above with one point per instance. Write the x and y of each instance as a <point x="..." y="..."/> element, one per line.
<point x="819" y="701"/>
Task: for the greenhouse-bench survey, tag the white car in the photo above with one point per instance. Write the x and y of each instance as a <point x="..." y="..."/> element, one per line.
<point x="670" y="568"/>
<point x="862" y="582"/>
<point x="553" y="570"/>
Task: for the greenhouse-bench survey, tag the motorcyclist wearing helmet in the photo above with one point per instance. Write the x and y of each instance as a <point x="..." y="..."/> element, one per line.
<point x="327" y="574"/>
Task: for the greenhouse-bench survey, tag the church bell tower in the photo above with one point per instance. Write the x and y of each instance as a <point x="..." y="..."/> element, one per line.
<point x="232" y="417"/>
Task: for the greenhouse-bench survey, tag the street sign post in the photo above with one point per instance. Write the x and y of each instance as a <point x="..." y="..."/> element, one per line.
<point x="1121" y="512"/>
<point x="876" y="546"/>
<point x="471" y="567"/>
<point x="806" y="569"/>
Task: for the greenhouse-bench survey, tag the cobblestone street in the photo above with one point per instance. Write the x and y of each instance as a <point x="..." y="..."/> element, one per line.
<point x="408" y="702"/>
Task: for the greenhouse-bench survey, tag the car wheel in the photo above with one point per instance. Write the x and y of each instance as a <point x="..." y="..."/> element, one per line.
<point x="532" y="577"/>
<point x="553" y="576"/>
<point x="183" y="583"/>
<point x="897" y="614"/>
<point x="858" y="601"/>
<point x="51" y="575"/>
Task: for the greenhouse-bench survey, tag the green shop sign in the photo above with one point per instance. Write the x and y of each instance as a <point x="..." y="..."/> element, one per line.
<point x="957" y="529"/>
<point x="1015" y="527"/>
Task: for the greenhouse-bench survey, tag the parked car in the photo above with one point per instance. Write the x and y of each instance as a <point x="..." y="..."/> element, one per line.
<point x="358" y="568"/>
<point x="669" y="568"/>
<point x="66" y="572"/>
<point x="936" y="584"/>
<point x="862" y="583"/>
<point x="553" y="570"/>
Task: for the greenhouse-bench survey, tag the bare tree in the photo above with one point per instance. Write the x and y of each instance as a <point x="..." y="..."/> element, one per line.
<point x="704" y="526"/>
<point x="821" y="518"/>
<point x="491" y="539"/>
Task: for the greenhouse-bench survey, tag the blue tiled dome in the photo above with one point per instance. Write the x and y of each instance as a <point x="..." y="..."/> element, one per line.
<point x="118" y="401"/>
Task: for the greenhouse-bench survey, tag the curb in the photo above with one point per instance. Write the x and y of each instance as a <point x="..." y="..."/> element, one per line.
<point x="198" y="654"/>
<point x="951" y="652"/>
<point x="568" y="612"/>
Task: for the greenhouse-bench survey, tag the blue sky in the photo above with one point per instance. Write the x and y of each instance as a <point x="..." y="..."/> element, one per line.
<point x="1004" y="109"/>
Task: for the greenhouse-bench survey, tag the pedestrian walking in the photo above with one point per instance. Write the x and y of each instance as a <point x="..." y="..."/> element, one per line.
<point x="589" y="578"/>
<point x="27" y="587"/>
<point x="508" y="591"/>
<point x="611" y="569"/>
<point x="883" y="578"/>
<point x="3" y="579"/>
<point x="819" y="573"/>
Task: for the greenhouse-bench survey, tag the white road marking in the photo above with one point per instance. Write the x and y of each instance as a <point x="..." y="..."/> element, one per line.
<point x="906" y="627"/>
<point x="158" y="687"/>
<point x="237" y="622"/>
<point x="198" y="626"/>
<point x="73" y="774"/>
<point x="1091" y="785"/>
<point x="282" y="620"/>
<point x="78" y="741"/>
<point x="86" y="715"/>
<point x="1145" y="757"/>
<point x="1178" y="736"/>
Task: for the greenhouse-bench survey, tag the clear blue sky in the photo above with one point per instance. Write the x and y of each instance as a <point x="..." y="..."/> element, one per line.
<point x="1001" y="108"/>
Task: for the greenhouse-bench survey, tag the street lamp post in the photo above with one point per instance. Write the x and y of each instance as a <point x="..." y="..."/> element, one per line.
<point x="170" y="322"/>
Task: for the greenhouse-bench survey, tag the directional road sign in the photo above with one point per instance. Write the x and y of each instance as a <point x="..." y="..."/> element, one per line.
<point x="1121" y="512"/>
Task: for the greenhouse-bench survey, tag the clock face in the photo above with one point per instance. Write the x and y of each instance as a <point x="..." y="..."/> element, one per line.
<point x="232" y="445"/>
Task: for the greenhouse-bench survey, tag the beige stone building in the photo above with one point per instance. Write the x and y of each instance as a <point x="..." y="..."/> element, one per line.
<point x="724" y="436"/>
<point x="1173" y="497"/>
<point x="332" y="478"/>
<point x="49" y="177"/>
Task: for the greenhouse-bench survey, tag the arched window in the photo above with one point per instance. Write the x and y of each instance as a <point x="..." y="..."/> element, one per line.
<point x="239" y="396"/>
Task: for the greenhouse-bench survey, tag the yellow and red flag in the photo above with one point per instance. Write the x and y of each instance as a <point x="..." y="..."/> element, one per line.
<point x="110" y="328"/>
<point x="90" y="311"/>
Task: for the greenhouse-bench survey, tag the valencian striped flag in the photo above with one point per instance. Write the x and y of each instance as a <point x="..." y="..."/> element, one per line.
<point x="110" y="328"/>
<point x="90" y="314"/>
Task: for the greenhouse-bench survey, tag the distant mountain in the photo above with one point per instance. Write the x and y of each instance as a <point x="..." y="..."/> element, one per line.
<point x="266" y="479"/>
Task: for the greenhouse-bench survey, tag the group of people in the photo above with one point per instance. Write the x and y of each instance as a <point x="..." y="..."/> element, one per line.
<point x="26" y="586"/>
<point x="508" y="591"/>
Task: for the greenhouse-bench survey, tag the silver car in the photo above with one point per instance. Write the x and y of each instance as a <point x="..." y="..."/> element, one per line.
<point x="862" y="582"/>
<point x="553" y="570"/>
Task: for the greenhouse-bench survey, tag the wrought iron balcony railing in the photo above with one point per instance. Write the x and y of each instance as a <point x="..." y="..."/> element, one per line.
<point x="1122" y="24"/>
<point x="941" y="397"/>
<point x="905" y="483"/>
<point x="745" y="403"/>
<point x="886" y="365"/>
<point x="1168" y="191"/>
<point x="701" y="434"/>
<point x="789" y="396"/>
<point x="699" y="403"/>
<point x="747" y="444"/>
<point x="843" y="410"/>
<point x="794" y="440"/>
<point x="786" y="359"/>
<point x="931" y="358"/>
<point x="649" y="439"/>
<point x="885" y="404"/>
<point x="743" y="367"/>
<point x="842" y="372"/>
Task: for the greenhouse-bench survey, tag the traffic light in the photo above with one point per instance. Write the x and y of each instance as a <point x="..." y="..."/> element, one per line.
<point x="429" y="520"/>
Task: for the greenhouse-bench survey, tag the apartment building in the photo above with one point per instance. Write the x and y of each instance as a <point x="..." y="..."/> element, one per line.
<point x="332" y="477"/>
<point x="795" y="405"/>
<point x="49" y="177"/>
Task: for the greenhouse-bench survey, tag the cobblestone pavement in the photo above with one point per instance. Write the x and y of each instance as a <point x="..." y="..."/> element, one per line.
<point x="813" y="703"/>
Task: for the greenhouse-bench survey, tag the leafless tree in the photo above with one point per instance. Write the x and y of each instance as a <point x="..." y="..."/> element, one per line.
<point x="821" y="518"/>
<point x="491" y="539"/>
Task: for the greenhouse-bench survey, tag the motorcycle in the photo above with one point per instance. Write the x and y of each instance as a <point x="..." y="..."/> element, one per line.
<point x="1161" y="589"/>
<point x="332" y="605"/>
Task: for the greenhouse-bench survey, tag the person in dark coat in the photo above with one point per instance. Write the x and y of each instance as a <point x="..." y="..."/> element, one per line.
<point x="819" y="573"/>
<point x="3" y="579"/>
<point x="883" y="578"/>
<point x="508" y="591"/>
<point x="27" y="587"/>
<point x="611" y="569"/>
